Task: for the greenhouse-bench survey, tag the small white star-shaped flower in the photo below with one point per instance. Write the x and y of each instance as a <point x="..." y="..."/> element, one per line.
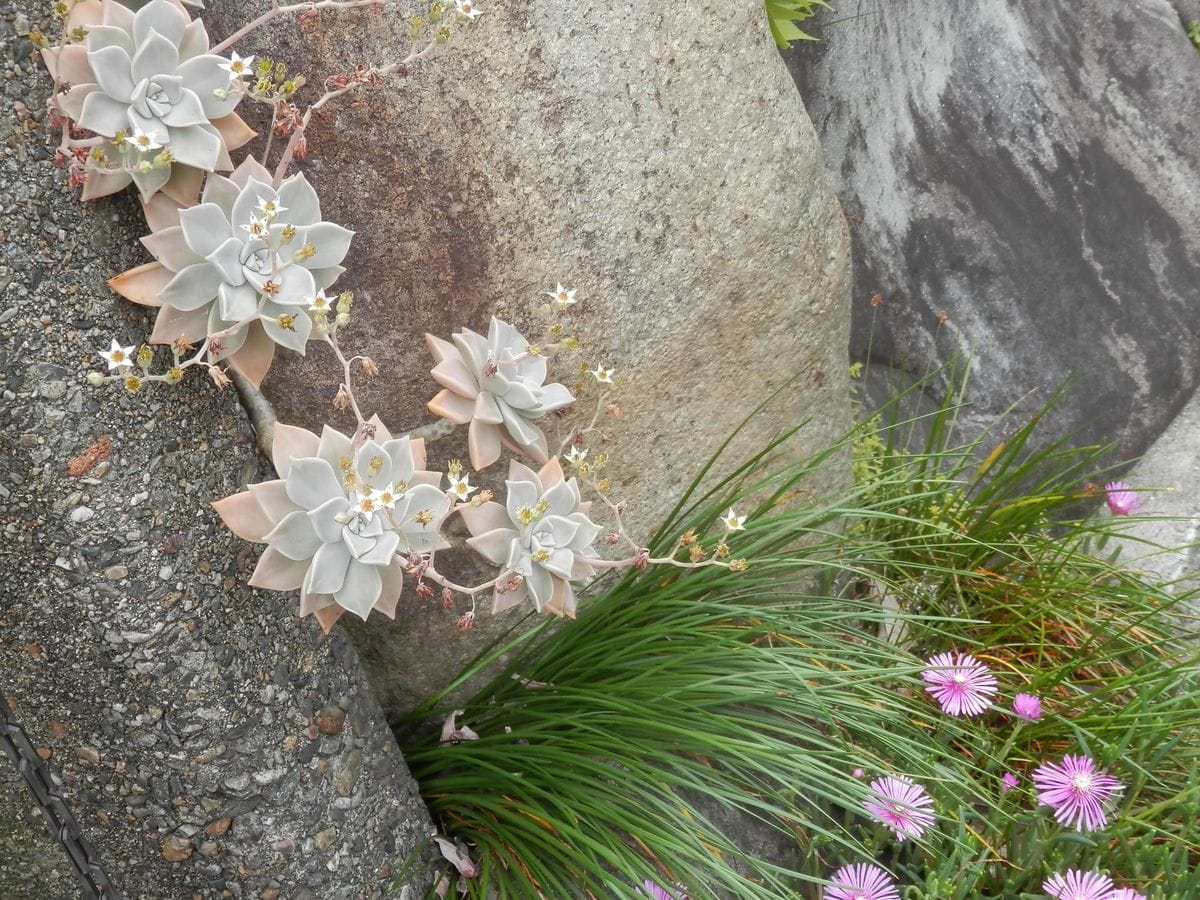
<point x="732" y="521"/>
<point x="388" y="496"/>
<point x="603" y="375"/>
<point x="366" y="504"/>
<point x="468" y="8"/>
<point x="270" y="208"/>
<point x="238" y="66"/>
<point x="256" y="226"/>
<point x="145" y="141"/>
<point x="117" y="356"/>
<point x="575" y="456"/>
<point x="460" y="486"/>
<point x="319" y="303"/>
<point x="561" y="296"/>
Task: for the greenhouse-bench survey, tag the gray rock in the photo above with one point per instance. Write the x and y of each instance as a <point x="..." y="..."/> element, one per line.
<point x="1032" y="172"/>
<point x="710" y="258"/>
<point x="139" y="681"/>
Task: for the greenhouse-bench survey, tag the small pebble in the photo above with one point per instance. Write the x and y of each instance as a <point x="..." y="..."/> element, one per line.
<point x="82" y="513"/>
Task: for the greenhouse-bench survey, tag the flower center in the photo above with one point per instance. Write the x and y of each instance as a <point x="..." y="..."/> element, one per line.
<point x="959" y="678"/>
<point x="1083" y="783"/>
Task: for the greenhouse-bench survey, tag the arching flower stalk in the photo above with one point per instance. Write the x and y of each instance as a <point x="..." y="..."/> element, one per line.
<point x="239" y="273"/>
<point x="541" y="537"/>
<point x="498" y="385"/>
<point x="336" y="518"/>
<point x="160" y="103"/>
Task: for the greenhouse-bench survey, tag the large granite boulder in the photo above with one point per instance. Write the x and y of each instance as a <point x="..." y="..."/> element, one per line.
<point x="657" y="159"/>
<point x="208" y="742"/>
<point x="1031" y="171"/>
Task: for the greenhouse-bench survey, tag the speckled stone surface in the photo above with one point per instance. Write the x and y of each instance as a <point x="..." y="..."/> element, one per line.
<point x="1032" y="171"/>
<point x="210" y="743"/>
<point x="657" y="158"/>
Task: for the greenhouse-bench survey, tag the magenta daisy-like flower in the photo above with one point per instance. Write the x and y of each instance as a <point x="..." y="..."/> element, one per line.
<point x="861" y="881"/>
<point x="961" y="684"/>
<point x="1076" y="790"/>
<point x="901" y="805"/>
<point x="1027" y="706"/>
<point x="1120" y="499"/>
<point x="1076" y="885"/>
<point x="654" y="892"/>
<point x="1009" y="781"/>
<point x="1126" y="894"/>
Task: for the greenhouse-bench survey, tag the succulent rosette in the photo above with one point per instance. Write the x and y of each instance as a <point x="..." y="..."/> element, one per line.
<point x="146" y="81"/>
<point x="337" y="516"/>
<point x="498" y="386"/>
<point x="542" y="534"/>
<point x="250" y="258"/>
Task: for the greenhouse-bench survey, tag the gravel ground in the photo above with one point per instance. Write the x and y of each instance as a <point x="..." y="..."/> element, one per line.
<point x="211" y="744"/>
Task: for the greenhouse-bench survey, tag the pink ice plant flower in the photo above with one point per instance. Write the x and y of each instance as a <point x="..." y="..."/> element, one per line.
<point x="655" y="892"/>
<point x="1076" y="790"/>
<point x="1027" y="706"/>
<point x="1076" y="885"/>
<point x="861" y="881"/>
<point x="901" y="805"/>
<point x="1121" y="500"/>
<point x="961" y="684"/>
<point x="1010" y="781"/>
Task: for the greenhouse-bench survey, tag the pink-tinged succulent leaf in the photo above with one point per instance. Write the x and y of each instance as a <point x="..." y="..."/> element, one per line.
<point x="441" y="350"/>
<point x="275" y="572"/>
<point x="172" y="323"/>
<point x="68" y="64"/>
<point x="288" y="443"/>
<point x="452" y="406"/>
<point x="103" y="184"/>
<point x="250" y="168"/>
<point x="550" y="474"/>
<point x="360" y="589"/>
<point x="161" y="212"/>
<point x="382" y="433"/>
<point x="483" y="444"/>
<point x="518" y="471"/>
<point x="328" y="616"/>
<point x="493" y="545"/>
<point x="562" y="601"/>
<point x="235" y="132"/>
<point x="417" y="446"/>
<point x="272" y="497"/>
<point x="70" y="104"/>
<point x="504" y="600"/>
<point x="184" y="184"/>
<point x="169" y="247"/>
<point x="452" y="374"/>
<point x="253" y="359"/>
<point x="485" y="517"/>
<point x="486" y="410"/>
<point x="310" y="603"/>
<point x="86" y="13"/>
<point x="244" y="517"/>
<point x="392" y="585"/>
<point x="142" y="284"/>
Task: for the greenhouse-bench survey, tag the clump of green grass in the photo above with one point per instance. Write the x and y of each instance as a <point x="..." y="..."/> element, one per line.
<point x="704" y="728"/>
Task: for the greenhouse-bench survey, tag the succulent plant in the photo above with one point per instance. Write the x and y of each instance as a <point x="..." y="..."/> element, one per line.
<point x="214" y="271"/>
<point x="497" y="385"/>
<point x="542" y="535"/>
<point x="147" y="82"/>
<point x="337" y="516"/>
